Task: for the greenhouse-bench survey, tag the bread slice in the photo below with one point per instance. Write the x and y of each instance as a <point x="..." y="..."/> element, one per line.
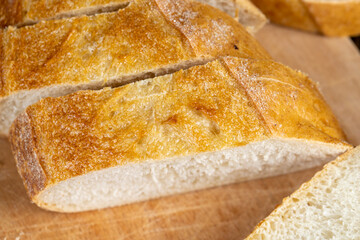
<point x="244" y="11"/>
<point x="326" y="207"/>
<point x="291" y="13"/>
<point x="336" y="17"/>
<point x="229" y="120"/>
<point x="329" y="17"/>
<point x="24" y="12"/>
<point x="147" y="38"/>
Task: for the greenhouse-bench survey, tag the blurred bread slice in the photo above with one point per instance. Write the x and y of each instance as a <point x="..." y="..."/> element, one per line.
<point x="243" y="11"/>
<point x="329" y="17"/>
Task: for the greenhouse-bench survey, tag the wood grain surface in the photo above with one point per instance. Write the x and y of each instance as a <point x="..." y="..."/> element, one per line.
<point x="228" y="212"/>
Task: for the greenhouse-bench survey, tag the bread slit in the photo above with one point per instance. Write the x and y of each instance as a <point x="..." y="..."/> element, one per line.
<point x="89" y="11"/>
<point x="32" y="96"/>
<point x="24" y="13"/>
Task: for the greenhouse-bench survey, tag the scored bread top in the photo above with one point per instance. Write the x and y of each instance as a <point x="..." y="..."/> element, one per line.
<point x="26" y="11"/>
<point x="205" y="108"/>
<point x="144" y="36"/>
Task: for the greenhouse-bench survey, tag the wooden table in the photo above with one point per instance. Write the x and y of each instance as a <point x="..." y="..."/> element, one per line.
<point x="228" y="212"/>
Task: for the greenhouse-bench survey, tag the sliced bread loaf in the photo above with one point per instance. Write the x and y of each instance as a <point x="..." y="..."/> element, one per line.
<point x="229" y="120"/>
<point x="24" y="12"/>
<point x="146" y="38"/>
<point x="326" y="207"/>
<point x="330" y="17"/>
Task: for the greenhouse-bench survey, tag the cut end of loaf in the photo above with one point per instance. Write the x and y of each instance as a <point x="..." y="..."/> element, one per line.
<point x="243" y="11"/>
<point x="152" y="179"/>
<point x="326" y="207"/>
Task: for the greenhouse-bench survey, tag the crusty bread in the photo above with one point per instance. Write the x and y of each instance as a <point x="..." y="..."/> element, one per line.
<point x="146" y="38"/>
<point x="24" y="12"/>
<point x="326" y="207"/>
<point x="329" y="17"/>
<point x="230" y="120"/>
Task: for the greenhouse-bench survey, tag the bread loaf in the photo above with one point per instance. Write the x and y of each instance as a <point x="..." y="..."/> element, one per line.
<point x="230" y="120"/>
<point x="146" y="38"/>
<point x="329" y="17"/>
<point x="326" y="207"/>
<point x="24" y="12"/>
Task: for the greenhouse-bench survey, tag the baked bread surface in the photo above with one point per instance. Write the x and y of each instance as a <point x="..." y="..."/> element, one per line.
<point x="224" y="104"/>
<point x="144" y="39"/>
<point x="25" y="12"/>
<point x="145" y="35"/>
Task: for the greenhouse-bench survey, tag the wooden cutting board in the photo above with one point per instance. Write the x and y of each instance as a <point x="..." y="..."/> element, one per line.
<point x="228" y="212"/>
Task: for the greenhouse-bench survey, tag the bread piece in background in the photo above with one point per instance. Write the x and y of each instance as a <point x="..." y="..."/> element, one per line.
<point x="25" y="12"/>
<point x="146" y="38"/>
<point x="329" y="17"/>
<point x="243" y="11"/>
<point x="227" y="121"/>
<point x="326" y="207"/>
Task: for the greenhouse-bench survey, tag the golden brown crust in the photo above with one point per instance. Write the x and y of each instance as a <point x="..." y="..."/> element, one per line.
<point x="329" y="18"/>
<point x="41" y="9"/>
<point x="61" y="51"/>
<point x="24" y="12"/>
<point x="11" y="12"/>
<point x="201" y="109"/>
<point x="110" y="46"/>
<point x="336" y="18"/>
<point x="21" y="12"/>
<point x="300" y="113"/>
<point x="208" y="37"/>
<point x="26" y="156"/>
<point x="187" y="112"/>
<point x="2" y="56"/>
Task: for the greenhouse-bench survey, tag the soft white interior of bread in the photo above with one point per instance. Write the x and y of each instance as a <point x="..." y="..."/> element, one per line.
<point x="11" y="106"/>
<point x="328" y="207"/>
<point x="151" y="179"/>
<point x="243" y="10"/>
